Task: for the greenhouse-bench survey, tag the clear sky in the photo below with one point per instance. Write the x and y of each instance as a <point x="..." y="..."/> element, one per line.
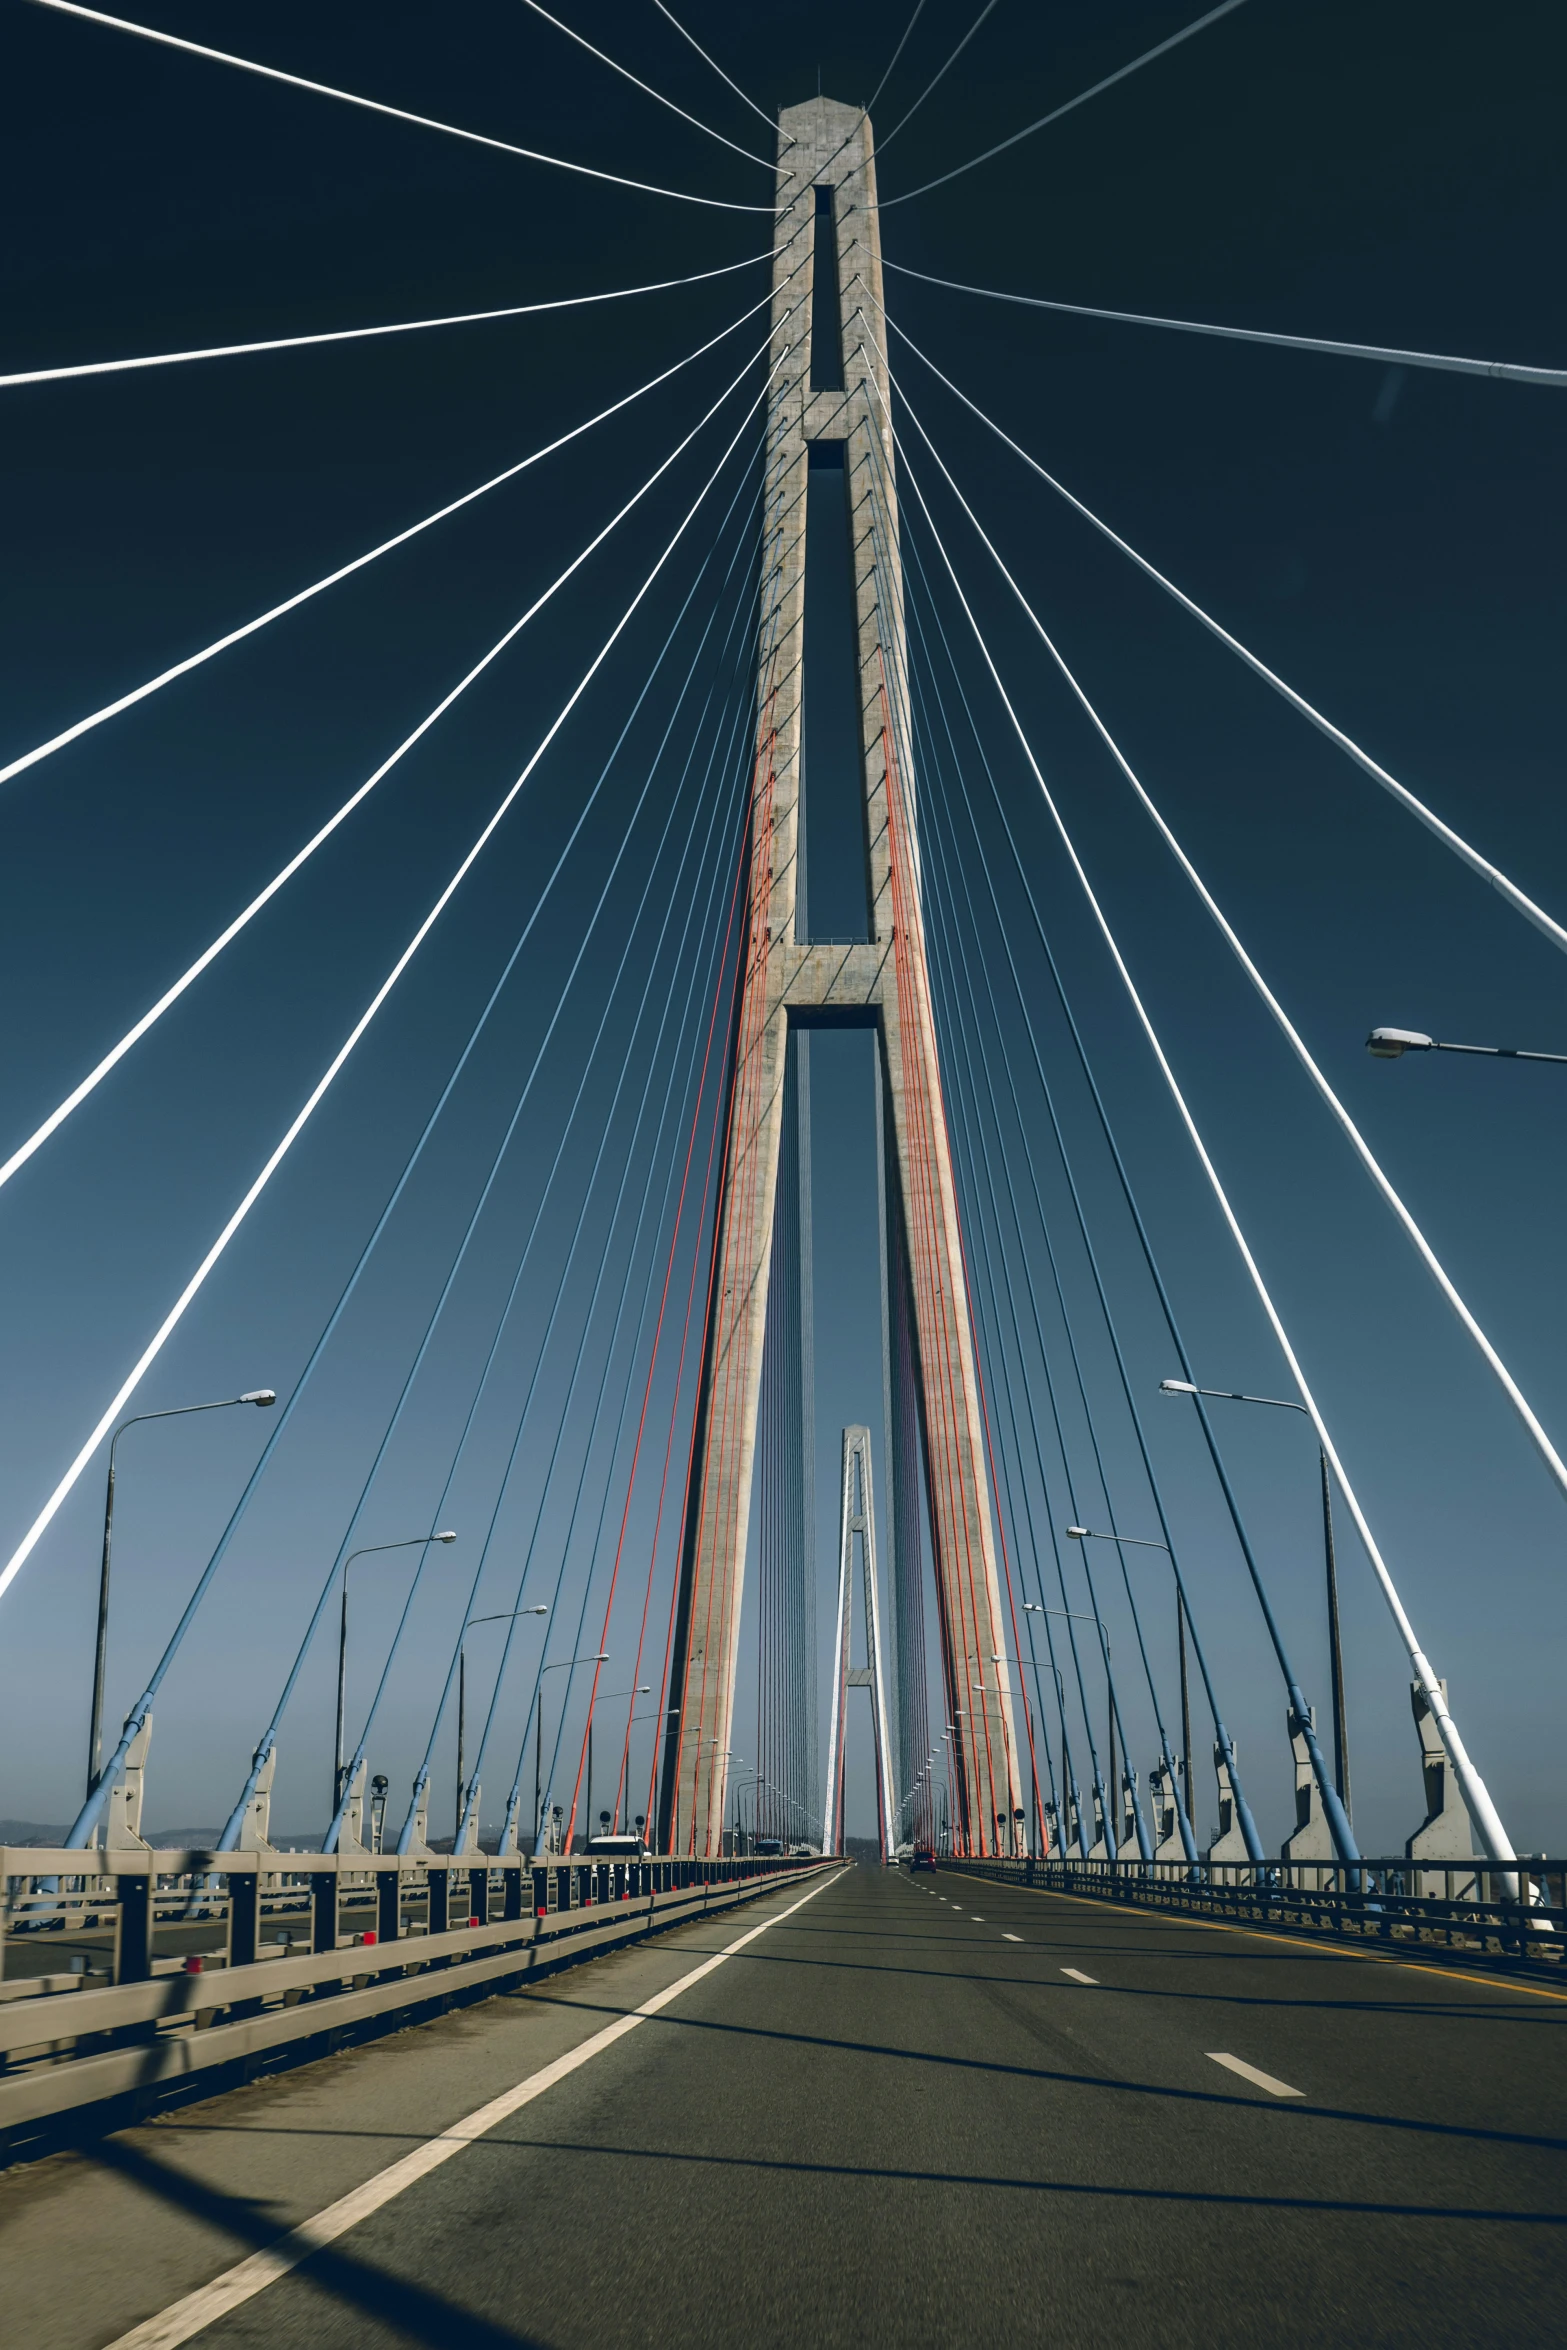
<point x="1389" y="542"/>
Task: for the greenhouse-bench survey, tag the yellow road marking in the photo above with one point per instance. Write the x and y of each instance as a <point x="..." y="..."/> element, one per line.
<point x="1414" y="1966"/>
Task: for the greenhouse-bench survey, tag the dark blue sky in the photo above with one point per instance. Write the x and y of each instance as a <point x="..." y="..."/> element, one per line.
<point x="1392" y="175"/>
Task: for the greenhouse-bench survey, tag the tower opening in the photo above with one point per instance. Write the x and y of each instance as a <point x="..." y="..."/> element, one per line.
<point x="834" y="875"/>
<point x="826" y="328"/>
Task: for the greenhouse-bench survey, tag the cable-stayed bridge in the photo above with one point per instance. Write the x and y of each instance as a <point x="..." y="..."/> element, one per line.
<point x="789" y="1047"/>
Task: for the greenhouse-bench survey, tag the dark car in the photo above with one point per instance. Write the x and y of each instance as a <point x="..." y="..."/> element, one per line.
<point x="922" y="1857"/>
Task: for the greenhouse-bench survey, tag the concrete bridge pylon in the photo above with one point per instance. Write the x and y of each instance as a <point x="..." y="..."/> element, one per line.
<point x="829" y="408"/>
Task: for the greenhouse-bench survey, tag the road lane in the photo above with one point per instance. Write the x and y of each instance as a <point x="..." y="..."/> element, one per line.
<point x="887" y="2123"/>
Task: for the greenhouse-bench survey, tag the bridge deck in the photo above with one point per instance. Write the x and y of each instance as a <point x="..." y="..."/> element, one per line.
<point x="899" y="2115"/>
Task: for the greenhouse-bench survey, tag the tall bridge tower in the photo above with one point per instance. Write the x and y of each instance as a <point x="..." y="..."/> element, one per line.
<point x="828" y="409"/>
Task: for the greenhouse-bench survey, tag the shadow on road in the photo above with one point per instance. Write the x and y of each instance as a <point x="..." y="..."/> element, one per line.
<point x="405" y="2308"/>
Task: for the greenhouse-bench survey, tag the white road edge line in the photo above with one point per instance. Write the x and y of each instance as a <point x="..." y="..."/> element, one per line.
<point x="1249" y="2072"/>
<point x="1011" y="1937"/>
<point x="203" y="2308"/>
<point x="1077" y="1976"/>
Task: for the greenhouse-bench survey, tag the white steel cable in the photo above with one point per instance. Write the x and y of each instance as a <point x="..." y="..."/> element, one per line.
<point x="919" y="10"/>
<point x="1476" y="1794"/>
<point x="359" y="334"/>
<point x="152" y="685"/>
<point x="1500" y="370"/>
<point x="713" y="62"/>
<point x="1199" y="25"/>
<point x="1498" y="880"/>
<point x="1297" y="1044"/>
<point x="869" y="106"/>
<point x="171" y="1320"/>
<point x="285" y="873"/>
<point x="883" y="144"/>
<point x="425" y="122"/>
<point x="582" y="41"/>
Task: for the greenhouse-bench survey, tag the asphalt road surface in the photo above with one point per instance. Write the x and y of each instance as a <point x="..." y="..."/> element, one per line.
<point x="907" y="2111"/>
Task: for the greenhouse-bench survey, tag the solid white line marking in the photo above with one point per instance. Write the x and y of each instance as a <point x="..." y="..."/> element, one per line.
<point x="1076" y="1974"/>
<point x="1249" y="2072"/>
<point x="1011" y="1937"/>
<point x="242" y="2283"/>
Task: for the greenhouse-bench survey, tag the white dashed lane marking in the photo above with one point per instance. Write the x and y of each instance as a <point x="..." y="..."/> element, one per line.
<point x="1249" y="2072"/>
<point x="1011" y="1937"/>
<point x="1078" y="1976"/>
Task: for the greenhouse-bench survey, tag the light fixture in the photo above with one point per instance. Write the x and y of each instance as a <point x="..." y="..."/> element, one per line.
<point x="1390" y="1044"/>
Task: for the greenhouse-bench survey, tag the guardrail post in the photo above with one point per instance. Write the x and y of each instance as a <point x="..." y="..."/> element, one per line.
<point x="244" y="1917"/>
<point x="479" y="1894"/>
<point x="439" y="1881"/>
<point x="388" y="1904"/>
<point x="323" y="1910"/>
<point x="511" y="1891"/>
<point x="133" y="1929"/>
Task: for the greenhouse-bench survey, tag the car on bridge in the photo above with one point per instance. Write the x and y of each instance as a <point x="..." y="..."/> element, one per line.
<point x="922" y="1857"/>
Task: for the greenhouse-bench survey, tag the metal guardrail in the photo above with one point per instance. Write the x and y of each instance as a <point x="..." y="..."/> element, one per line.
<point x="1466" y="1908"/>
<point x="384" y="1938"/>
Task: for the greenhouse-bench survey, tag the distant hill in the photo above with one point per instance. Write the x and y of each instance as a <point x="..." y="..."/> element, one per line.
<point x="43" y="1834"/>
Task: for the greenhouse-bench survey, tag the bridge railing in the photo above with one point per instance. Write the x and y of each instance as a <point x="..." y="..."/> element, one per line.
<point x="135" y="1972"/>
<point x="1515" y="1916"/>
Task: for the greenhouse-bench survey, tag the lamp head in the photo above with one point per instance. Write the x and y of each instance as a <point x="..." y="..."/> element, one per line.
<point x="1390" y="1044"/>
<point x="1077" y="1533"/>
<point x="1176" y="1387"/>
<point x="260" y="1395"/>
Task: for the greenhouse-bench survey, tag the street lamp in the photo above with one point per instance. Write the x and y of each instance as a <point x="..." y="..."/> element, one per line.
<point x="256" y="1395"/>
<point x="642" y="1689"/>
<point x="1072" y="1614"/>
<point x="507" y="1616"/>
<point x="409" y="1542"/>
<point x="1279" y="1403"/>
<point x="1391" y="1044"/>
<point x="562" y="1664"/>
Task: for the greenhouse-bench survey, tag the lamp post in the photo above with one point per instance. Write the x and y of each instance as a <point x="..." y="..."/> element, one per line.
<point x="562" y="1664"/>
<point x="1391" y="1044"/>
<point x="1075" y="1616"/>
<point x="642" y="1689"/>
<point x="409" y="1542"/>
<point x="507" y="1616"/>
<point x="654" y="1715"/>
<point x="261" y="1396"/>
<point x="1137" y="1542"/>
<point x="984" y="1689"/>
<point x="1279" y="1403"/>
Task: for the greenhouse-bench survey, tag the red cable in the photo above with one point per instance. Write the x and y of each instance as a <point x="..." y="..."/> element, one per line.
<point x="647" y="1391"/>
<point x="734" y="1226"/>
<point x="942" y="1333"/>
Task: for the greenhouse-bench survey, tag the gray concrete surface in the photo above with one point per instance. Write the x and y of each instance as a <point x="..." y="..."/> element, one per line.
<point x="885" y="2122"/>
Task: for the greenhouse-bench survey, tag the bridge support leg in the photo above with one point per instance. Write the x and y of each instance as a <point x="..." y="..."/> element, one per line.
<point x="828" y="421"/>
